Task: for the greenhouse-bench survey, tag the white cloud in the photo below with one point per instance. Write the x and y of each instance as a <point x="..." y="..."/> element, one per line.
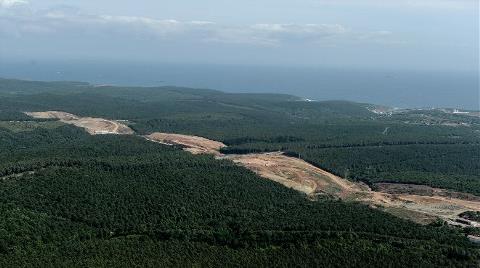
<point x="11" y="3"/>
<point x="423" y="4"/>
<point x="200" y="22"/>
<point x="443" y="4"/>
<point x="306" y="30"/>
<point x="67" y="20"/>
<point x="277" y="34"/>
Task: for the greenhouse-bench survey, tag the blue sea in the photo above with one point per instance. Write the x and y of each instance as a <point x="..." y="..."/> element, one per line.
<point x="405" y="89"/>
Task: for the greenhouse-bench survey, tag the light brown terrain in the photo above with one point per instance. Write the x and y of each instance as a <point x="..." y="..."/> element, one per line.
<point x="416" y="189"/>
<point x="302" y="176"/>
<point x="297" y="174"/>
<point x="422" y="204"/>
<point x="92" y="125"/>
<point x="419" y="203"/>
<point x="193" y="144"/>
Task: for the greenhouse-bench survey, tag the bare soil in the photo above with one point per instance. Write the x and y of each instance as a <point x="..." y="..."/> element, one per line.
<point x="297" y="174"/>
<point x="93" y="126"/>
<point x="193" y="144"/>
<point x="424" y="190"/>
<point x="422" y="204"/>
<point x="419" y="203"/>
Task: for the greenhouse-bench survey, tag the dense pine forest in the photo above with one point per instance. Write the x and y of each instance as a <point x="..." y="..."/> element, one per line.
<point x="421" y="147"/>
<point x="71" y="199"/>
<point x="67" y="197"/>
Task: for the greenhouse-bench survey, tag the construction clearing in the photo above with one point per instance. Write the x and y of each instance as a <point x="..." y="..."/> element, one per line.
<point x="192" y="144"/>
<point x="93" y="126"/>
<point x="422" y="204"/>
<point x="304" y="177"/>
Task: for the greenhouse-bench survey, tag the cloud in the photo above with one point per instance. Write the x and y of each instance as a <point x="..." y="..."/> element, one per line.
<point x="68" y="21"/>
<point x="441" y="4"/>
<point x="300" y="31"/>
<point x="277" y="34"/>
<point x="11" y="3"/>
<point x="415" y="4"/>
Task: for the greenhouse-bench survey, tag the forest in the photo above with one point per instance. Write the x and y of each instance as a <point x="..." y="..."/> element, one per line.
<point x="67" y="196"/>
<point x="71" y="199"/>
<point x="434" y="148"/>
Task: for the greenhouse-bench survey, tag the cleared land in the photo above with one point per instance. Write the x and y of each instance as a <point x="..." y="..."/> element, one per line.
<point x="302" y="176"/>
<point x="297" y="174"/>
<point x="92" y="125"/>
<point x="419" y="203"/>
<point x="424" y="190"/>
<point x="192" y="144"/>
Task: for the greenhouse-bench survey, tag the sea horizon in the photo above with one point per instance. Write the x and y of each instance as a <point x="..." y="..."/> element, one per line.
<point x="395" y="88"/>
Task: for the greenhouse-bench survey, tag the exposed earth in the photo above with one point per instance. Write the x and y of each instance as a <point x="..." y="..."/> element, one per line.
<point x="92" y="125"/>
<point x="302" y="176"/>
<point x="422" y="204"/>
<point x="192" y="144"/>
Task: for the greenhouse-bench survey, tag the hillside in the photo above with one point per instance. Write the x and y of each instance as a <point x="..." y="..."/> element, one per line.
<point x="349" y="139"/>
<point x="75" y="199"/>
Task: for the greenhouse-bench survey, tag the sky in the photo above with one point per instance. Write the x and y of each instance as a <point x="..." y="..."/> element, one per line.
<point x="387" y="34"/>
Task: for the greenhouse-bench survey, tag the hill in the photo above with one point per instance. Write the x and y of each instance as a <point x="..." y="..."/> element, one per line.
<point x="72" y="199"/>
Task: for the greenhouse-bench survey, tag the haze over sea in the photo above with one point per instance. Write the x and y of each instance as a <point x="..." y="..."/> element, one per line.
<point x="405" y="89"/>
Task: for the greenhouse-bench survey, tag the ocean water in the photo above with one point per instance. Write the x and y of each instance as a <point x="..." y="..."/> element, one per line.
<point x="405" y="89"/>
